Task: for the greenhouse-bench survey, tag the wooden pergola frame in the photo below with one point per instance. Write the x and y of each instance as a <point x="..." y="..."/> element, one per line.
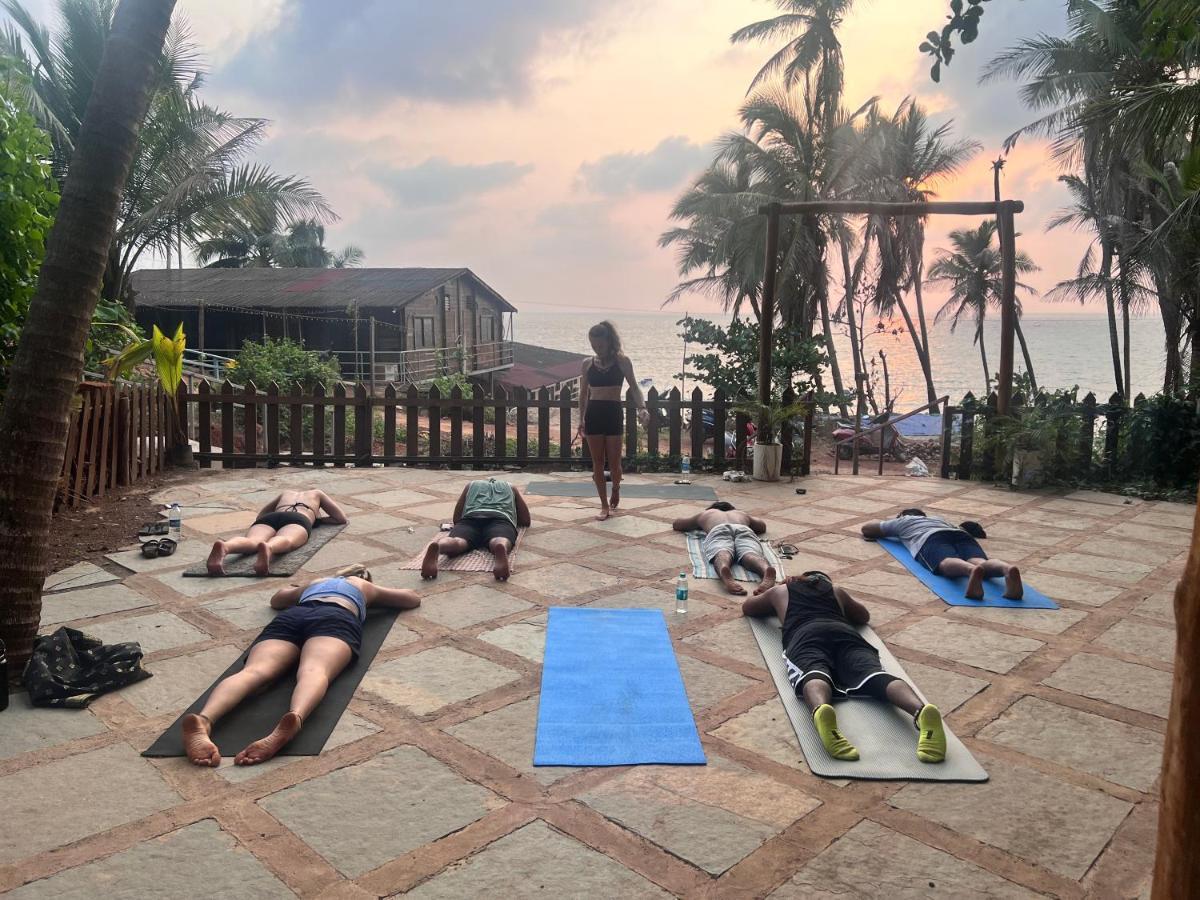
<point x="1004" y="212"/>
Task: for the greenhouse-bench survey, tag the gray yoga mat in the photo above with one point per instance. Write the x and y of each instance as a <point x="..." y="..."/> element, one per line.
<point x="241" y="565"/>
<point x="633" y="491"/>
<point x="255" y="716"/>
<point x="885" y="736"/>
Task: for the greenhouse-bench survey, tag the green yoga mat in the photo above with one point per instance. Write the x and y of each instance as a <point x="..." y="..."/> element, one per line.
<point x="241" y="565"/>
<point x="256" y="716"/>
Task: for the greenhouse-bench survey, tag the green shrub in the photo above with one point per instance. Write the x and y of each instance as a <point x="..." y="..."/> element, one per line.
<point x="286" y="363"/>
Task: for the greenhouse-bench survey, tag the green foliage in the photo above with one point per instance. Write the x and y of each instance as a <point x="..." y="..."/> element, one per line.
<point x="28" y="198"/>
<point x="1051" y="429"/>
<point x="963" y="21"/>
<point x="286" y="363"/>
<point x="1160" y="444"/>
<point x="446" y="383"/>
<point x="112" y="325"/>
<point x="730" y="363"/>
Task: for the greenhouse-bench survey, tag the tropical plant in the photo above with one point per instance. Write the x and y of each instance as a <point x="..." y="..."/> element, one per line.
<point x="48" y="363"/>
<point x="730" y="361"/>
<point x="300" y="245"/>
<point x="286" y="363"/>
<point x="971" y="272"/>
<point x="770" y="417"/>
<point x="190" y="179"/>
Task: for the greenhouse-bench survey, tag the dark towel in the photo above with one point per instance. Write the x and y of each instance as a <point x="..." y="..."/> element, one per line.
<point x="69" y="669"/>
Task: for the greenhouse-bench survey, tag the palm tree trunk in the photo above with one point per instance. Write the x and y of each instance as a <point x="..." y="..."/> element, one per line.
<point x="923" y="353"/>
<point x="834" y="368"/>
<point x="1028" y="358"/>
<point x="1128" y="353"/>
<point x="922" y="356"/>
<point x="49" y="359"/>
<point x="1113" y="341"/>
<point x="859" y="372"/>
<point x="987" y="373"/>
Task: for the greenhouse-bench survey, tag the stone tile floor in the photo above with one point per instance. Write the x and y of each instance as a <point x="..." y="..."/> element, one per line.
<point x="427" y="785"/>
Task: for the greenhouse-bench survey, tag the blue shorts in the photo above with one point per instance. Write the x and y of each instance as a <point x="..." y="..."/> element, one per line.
<point x="308" y="620"/>
<point x="943" y="545"/>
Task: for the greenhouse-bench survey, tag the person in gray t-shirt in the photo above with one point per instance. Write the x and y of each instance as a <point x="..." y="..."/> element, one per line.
<point x="948" y="550"/>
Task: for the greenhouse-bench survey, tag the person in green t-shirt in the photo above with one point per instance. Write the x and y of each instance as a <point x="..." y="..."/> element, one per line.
<point x="487" y="516"/>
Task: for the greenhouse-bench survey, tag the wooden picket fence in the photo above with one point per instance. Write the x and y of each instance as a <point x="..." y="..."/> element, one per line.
<point x="242" y="426"/>
<point x="117" y="436"/>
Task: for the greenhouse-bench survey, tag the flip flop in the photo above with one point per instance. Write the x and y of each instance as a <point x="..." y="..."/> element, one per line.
<point x="166" y="546"/>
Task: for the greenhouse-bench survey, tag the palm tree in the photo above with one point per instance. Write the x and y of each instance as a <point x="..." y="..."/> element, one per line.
<point x="189" y="180"/>
<point x="301" y="245"/>
<point x="49" y="360"/>
<point x="972" y="274"/>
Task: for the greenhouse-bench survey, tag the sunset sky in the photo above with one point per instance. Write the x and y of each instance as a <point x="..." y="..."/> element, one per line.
<point x="542" y="142"/>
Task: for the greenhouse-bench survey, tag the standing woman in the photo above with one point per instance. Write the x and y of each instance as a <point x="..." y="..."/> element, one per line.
<point x="600" y="409"/>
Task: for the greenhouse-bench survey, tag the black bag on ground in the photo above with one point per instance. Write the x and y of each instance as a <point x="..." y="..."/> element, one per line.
<point x="69" y="669"/>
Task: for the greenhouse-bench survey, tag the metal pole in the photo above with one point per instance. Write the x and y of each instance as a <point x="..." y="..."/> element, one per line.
<point x="767" y="325"/>
<point x="200" y="316"/>
<point x="1008" y="304"/>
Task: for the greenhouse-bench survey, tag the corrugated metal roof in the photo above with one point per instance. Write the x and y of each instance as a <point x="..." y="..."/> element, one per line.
<point x="262" y="288"/>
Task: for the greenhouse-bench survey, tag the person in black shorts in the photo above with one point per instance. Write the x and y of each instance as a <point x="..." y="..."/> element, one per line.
<point x="283" y="524"/>
<point x="487" y="516"/>
<point x="829" y="660"/>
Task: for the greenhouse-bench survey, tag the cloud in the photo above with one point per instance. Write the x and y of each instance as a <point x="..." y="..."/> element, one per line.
<point x="667" y="166"/>
<point x="365" y="51"/>
<point x="439" y="182"/>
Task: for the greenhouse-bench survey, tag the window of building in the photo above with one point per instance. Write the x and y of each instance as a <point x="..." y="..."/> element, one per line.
<point x="487" y="329"/>
<point x="422" y="330"/>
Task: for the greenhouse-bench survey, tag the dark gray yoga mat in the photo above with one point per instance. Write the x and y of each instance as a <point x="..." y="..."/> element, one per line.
<point x="885" y="736"/>
<point x="256" y="716"/>
<point x="241" y="565"/>
<point x="633" y="491"/>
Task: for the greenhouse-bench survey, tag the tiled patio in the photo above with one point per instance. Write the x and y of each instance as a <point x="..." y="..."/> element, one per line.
<point x="427" y="785"/>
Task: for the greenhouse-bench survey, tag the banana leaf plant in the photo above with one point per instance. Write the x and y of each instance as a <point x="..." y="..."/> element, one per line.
<point x="167" y="353"/>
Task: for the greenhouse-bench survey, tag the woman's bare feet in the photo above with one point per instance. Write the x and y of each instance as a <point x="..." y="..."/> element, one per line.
<point x="216" y="559"/>
<point x="768" y="581"/>
<point x="1013" y="588"/>
<point x="262" y="560"/>
<point x="725" y="573"/>
<point x="197" y="744"/>
<point x="605" y="512"/>
<point x="502" y="569"/>
<point x="263" y="749"/>
<point x="975" y="584"/>
<point x="429" y="562"/>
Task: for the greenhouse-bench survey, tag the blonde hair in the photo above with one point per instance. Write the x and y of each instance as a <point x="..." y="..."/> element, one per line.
<point x="608" y="331"/>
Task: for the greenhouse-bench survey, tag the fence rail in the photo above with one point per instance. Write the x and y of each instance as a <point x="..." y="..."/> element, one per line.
<point x="118" y="435"/>
<point x="243" y="426"/>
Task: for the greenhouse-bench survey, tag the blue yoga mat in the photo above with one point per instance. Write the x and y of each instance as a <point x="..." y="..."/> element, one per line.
<point x="951" y="589"/>
<point x="612" y="694"/>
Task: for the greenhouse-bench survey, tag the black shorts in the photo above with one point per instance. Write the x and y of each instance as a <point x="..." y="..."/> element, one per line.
<point x="943" y="545"/>
<point x="835" y="652"/>
<point x="280" y="518"/>
<point x="604" y="417"/>
<point x="315" y="619"/>
<point x="479" y="533"/>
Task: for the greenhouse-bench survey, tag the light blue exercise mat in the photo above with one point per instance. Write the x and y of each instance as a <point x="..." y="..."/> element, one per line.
<point x="612" y="694"/>
<point x="952" y="590"/>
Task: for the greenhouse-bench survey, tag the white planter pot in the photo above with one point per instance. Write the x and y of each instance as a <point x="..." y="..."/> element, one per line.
<point x="1027" y="469"/>
<point x="768" y="459"/>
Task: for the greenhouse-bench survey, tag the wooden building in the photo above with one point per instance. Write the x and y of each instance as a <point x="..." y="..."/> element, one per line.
<point x="401" y="325"/>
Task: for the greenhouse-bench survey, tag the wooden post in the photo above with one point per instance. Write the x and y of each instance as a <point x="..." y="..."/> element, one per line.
<point x="501" y="417"/>
<point x="318" y="450"/>
<point x="272" y="423"/>
<point x="655" y="423"/>
<point x="767" y="306"/>
<point x="389" y="421"/>
<point x="521" y="404"/>
<point x="412" y="423"/>
<point x="1112" y="433"/>
<point x="364" y="426"/>
<point x="434" y="413"/>
<point x="296" y="423"/>
<point x="947" y="436"/>
<point x="543" y="423"/>
<point x="1087" y="434"/>
<point x="1008" y="303"/>
<point x="697" y="450"/>
<point x="456" y="423"/>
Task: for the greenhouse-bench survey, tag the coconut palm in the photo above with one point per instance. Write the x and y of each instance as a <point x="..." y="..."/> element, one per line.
<point x="971" y="272"/>
<point x="300" y="245"/>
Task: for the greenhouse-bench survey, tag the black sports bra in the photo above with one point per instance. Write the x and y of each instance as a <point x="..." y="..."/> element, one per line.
<point x="609" y="376"/>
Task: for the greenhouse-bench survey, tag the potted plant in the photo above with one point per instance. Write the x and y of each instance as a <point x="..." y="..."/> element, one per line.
<point x="168" y="361"/>
<point x="768" y="451"/>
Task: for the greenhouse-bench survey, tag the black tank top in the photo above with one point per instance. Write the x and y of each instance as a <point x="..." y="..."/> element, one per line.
<point x="810" y="597"/>
<point x="609" y="376"/>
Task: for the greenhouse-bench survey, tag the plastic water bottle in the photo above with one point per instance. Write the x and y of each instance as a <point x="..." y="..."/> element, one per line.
<point x="175" y="522"/>
<point x="685" y="465"/>
<point x="681" y="592"/>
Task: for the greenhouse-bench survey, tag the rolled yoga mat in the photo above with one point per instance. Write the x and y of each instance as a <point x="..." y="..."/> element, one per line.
<point x="632" y="491"/>
<point x="952" y="590"/>
<point x="241" y="565"/>
<point x="884" y="735"/>
<point x="255" y="716"/>
<point x="611" y="692"/>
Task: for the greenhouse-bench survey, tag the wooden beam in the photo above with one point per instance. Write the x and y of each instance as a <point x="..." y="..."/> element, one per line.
<point x="1008" y="306"/>
<point x="767" y="305"/>
<point x="868" y="207"/>
<point x="1177" y="864"/>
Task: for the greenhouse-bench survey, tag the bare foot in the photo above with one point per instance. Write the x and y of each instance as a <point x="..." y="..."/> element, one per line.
<point x="725" y="573"/>
<point x="264" y="748"/>
<point x="1013" y="588"/>
<point x="429" y="562"/>
<point x="200" y="749"/>
<point x="262" y="562"/>
<point x="605" y="512"/>
<point x="615" y="500"/>
<point x="502" y="569"/>
<point x="216" y="559"/>
<point x="975" y="584"/>
<point x="768" y="581"/>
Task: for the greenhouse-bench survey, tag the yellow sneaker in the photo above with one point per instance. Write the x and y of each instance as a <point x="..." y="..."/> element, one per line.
<point x="835" y="743"/>
<point x="931" y="744"/>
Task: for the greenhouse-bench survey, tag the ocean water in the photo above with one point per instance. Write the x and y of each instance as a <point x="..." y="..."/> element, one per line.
<point x="1067" y="351"/>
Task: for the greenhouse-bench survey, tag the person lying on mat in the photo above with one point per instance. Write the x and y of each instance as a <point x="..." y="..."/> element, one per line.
<point x="318" y="633"/>
<point x="282" y="525"/>
<point x="947" y="550"/>
<point x="487" y="516"/>
<point x="828" y="660"/>
<point x="731" y="538"/>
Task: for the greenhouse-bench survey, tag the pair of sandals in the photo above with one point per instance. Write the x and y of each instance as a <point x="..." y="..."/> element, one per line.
<point x="156" y="547"/>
